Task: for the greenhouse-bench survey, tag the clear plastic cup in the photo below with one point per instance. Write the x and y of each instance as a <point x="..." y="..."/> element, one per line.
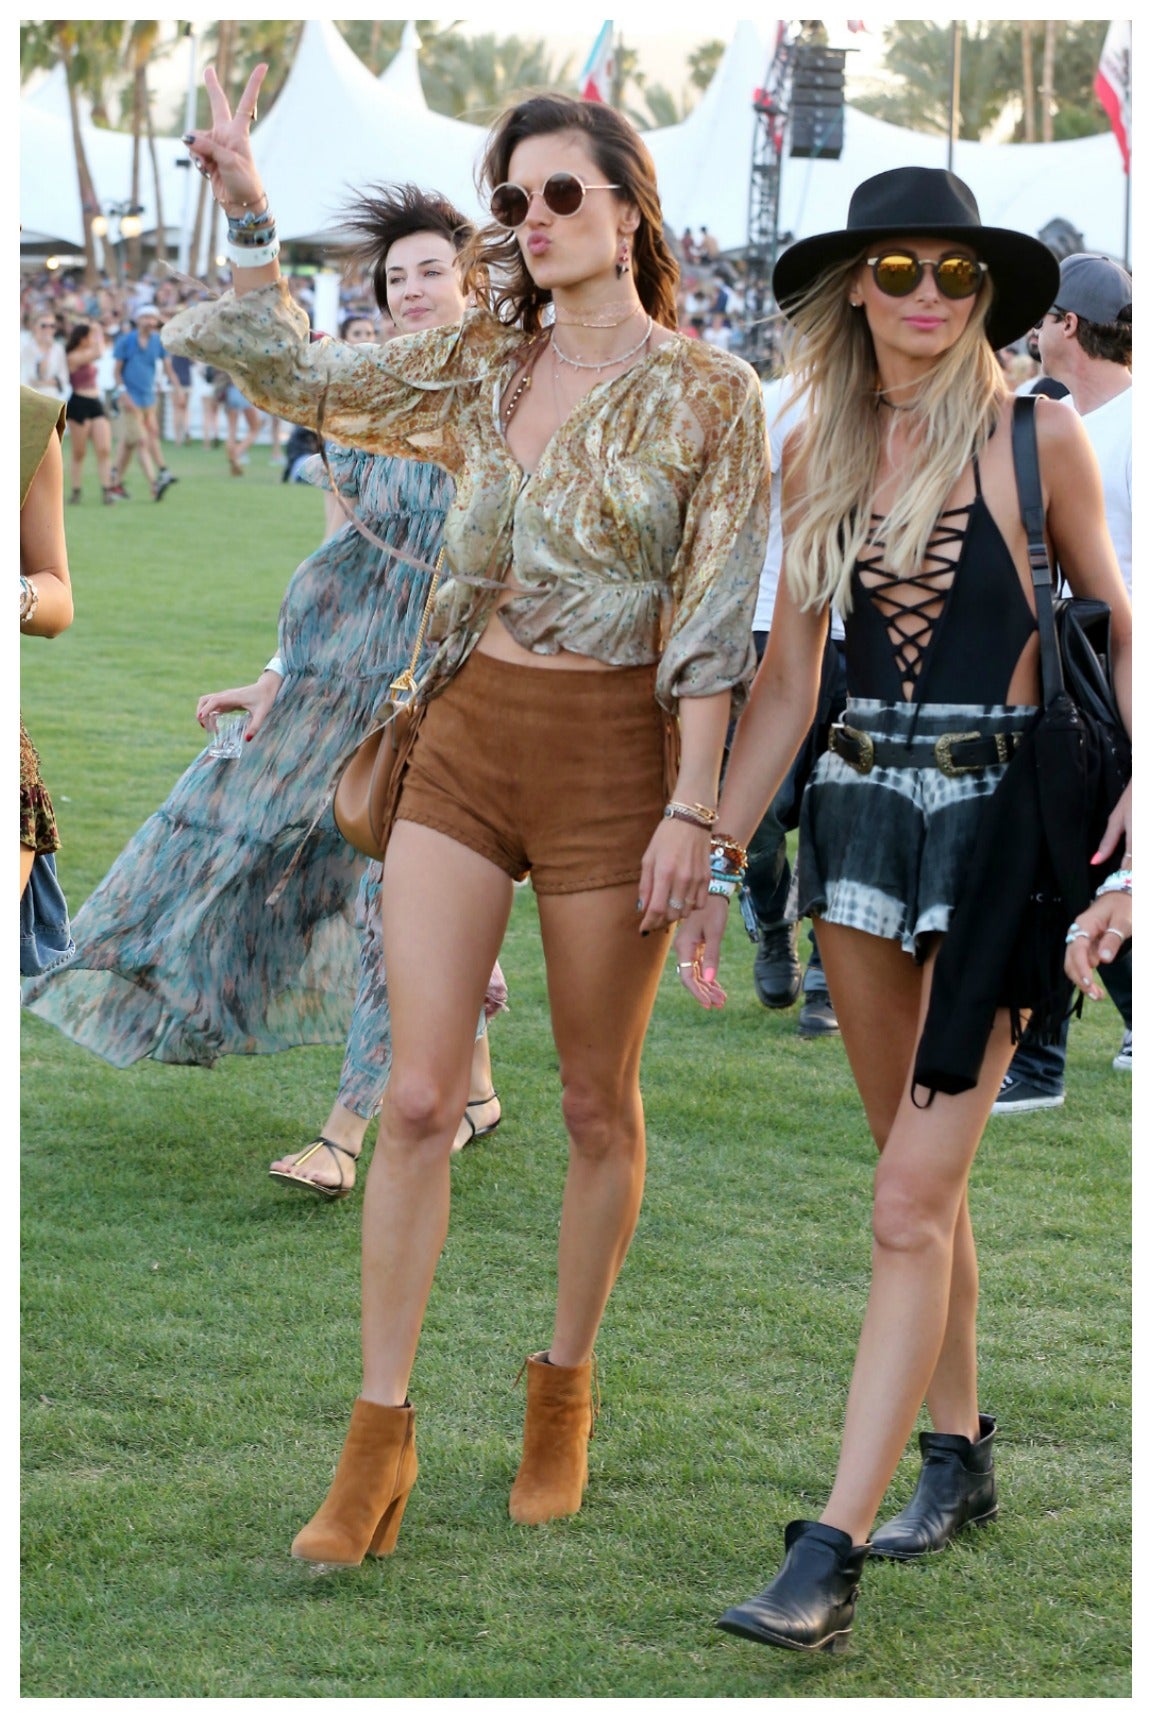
<point x="228" y="740"/>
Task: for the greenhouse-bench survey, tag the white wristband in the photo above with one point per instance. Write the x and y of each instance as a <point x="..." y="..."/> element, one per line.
<point x="252" y="256"/>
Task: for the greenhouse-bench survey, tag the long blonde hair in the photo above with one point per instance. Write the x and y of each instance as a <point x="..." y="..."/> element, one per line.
<point x="833" y="367"/>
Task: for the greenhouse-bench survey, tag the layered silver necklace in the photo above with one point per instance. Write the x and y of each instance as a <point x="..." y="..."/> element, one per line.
<point x="580" y="364"/>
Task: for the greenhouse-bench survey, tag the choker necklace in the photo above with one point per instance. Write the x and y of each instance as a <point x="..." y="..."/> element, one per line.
<point x="637" y="310"/>
<point x="883" y="400"/>
<point x="580" y="364"/>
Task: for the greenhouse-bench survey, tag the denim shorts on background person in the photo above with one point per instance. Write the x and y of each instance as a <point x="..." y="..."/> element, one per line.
<point x="235" y="400"/>
<point x="557" y="773"/>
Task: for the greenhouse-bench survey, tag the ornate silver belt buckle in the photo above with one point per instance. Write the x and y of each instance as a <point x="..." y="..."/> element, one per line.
<point x="863" y="763"/>
<point x="945" y="762"/>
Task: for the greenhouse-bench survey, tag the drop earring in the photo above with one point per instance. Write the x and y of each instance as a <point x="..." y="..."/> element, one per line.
<point x="623" y="258"/>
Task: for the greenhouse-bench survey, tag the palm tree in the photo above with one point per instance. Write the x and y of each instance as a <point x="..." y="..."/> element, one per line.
<point x="43" y="45"/>
<point x="376" y="40"/>
<point x="703" y="61"/>
<point x="139" y="49"/>
<point x="1028" y="78"/>
<point x="476" y="77"/>
<point x="1048" y="82"/>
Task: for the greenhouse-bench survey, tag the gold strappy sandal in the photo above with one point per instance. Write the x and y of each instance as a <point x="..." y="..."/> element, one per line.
<point x="290" y="1178"/>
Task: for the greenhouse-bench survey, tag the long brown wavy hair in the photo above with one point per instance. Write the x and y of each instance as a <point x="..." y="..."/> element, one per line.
<point x="622" y="158"/>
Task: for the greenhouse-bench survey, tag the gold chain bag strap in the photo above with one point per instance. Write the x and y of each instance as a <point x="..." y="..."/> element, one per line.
<point x="364" y="803"/>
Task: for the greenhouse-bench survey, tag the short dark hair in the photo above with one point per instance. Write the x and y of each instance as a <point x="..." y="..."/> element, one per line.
<point x="387" y="213"/>
<point x="1111" y="341"/>
<point x="622" y="156"/>
<point x="355" y="316"/>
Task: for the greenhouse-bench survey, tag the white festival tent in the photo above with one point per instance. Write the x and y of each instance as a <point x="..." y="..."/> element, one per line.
<point x="50" y="210"/>
<point x="335" y="129"/>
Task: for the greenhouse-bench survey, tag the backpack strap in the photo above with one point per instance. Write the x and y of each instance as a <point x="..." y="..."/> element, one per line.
<point x="1026" y="460"/>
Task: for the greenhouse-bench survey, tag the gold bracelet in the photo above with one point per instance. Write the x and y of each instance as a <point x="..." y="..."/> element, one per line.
<point x="701" y="815"/>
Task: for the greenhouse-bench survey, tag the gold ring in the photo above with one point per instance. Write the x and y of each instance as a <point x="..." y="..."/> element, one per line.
<point x="689" y="965"/>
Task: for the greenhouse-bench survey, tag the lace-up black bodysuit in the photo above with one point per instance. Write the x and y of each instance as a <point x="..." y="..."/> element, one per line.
<point x="955" y="632"/>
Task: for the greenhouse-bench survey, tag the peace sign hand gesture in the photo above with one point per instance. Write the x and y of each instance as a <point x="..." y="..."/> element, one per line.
<point x="223" y="154"/>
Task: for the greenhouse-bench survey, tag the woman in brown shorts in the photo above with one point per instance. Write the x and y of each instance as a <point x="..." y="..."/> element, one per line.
<point x="603" y="554"/>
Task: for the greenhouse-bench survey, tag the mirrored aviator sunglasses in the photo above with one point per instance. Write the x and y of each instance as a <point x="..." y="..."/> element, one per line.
<point x="897" y="273"/>
<point x="562" y="193"/>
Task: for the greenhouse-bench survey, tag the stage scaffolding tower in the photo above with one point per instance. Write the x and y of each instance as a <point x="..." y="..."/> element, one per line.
<point x="799" y="109"/>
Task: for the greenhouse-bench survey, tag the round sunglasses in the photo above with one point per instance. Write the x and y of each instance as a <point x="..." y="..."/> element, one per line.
<point x="561" y="193"/>
<point x="897" y="273"/>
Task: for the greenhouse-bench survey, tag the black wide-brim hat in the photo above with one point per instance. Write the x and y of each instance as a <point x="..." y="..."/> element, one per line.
<point x="930" y="202"/>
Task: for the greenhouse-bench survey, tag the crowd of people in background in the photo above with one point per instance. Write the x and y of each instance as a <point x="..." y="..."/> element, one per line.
<point x="711" y="303"/>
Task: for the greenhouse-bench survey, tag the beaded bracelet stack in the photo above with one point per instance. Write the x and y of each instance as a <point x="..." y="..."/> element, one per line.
<point x="1119" y="883"/>
<point x="727" y="865"/>
<point x="29" y="600"/>
<point x="252" y="240"/>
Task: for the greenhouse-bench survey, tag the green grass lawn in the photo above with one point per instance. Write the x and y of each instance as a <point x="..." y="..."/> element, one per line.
<point x="190" y="1347"/>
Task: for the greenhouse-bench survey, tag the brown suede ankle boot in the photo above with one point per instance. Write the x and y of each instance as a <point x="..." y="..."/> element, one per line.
<point x="365" y="1504"/>
<point x="558" y="1422"/>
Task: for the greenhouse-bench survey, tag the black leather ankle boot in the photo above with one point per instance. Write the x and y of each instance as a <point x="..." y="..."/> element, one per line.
<point x="810" y="1604"/>
<point x="957" y="1485"/>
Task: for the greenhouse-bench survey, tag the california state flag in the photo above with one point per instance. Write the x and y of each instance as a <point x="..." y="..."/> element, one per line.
<point x="1114" y="84"/>
<point x="596" y="78"/>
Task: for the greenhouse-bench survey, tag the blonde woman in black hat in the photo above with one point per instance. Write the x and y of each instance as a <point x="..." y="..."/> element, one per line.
<point x="900" y="509"/>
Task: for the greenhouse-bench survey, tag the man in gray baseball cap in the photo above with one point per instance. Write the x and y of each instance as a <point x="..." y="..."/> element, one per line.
<point x="1096" y="288"/>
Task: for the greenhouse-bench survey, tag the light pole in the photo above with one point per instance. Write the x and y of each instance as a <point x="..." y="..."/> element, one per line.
<point x="183" y="256"/>
<point x="128" y="225"/>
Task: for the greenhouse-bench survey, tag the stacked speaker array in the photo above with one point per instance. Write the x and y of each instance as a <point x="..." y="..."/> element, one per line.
<point x="817" y="103"/>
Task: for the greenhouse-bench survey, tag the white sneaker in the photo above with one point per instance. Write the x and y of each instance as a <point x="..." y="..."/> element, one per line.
<point x="1123" y="1062"/>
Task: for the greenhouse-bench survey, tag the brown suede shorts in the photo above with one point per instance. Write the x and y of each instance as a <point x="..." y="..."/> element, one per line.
<point x="557" y="773"/>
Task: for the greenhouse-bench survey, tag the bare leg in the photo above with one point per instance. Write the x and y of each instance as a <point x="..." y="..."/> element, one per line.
<point x="880" y="982"/>
<point x="483" y="1105"/>
<point x="102" y="447"/>
<point x="602" y="983"/>
<point x="231" y="417"/>
<point x="27" y="860"/>
<point x="913" y="1337"/>
<point x="251" y="418"/>
<point x="438" y="968"/>
<point x="152" y="436"/>
<point x="78" y="436"/>
<point x="344" y="1127"/>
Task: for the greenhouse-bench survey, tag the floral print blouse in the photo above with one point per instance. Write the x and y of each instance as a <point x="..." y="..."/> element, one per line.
<point x="639" y="537"/>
